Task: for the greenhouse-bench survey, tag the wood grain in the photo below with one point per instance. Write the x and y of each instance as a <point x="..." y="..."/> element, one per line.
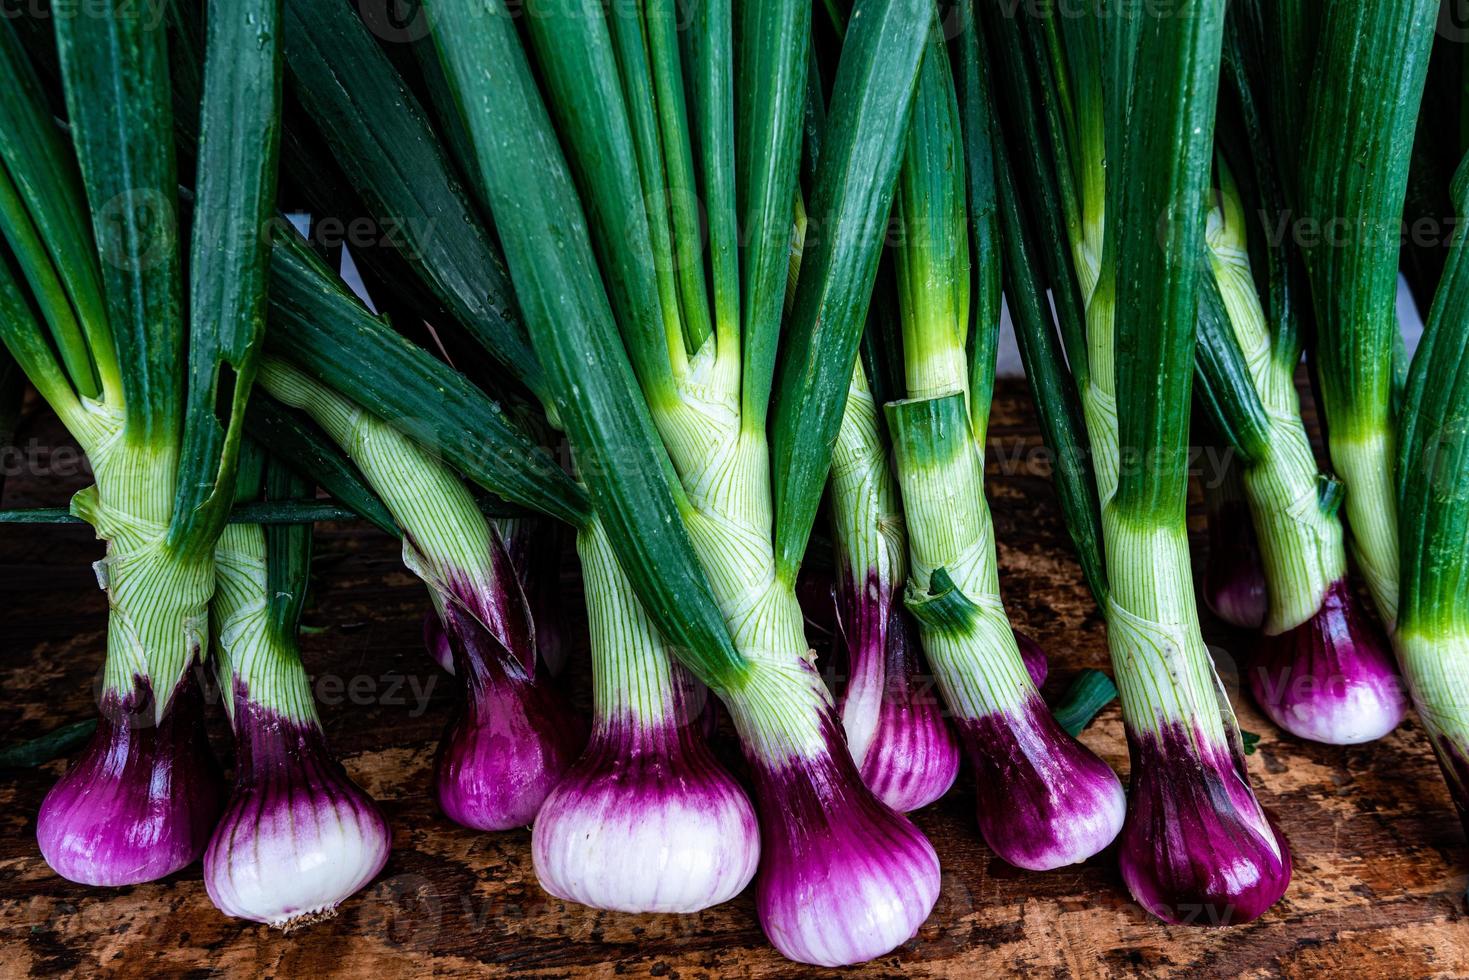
<point x="1380" y="859"/>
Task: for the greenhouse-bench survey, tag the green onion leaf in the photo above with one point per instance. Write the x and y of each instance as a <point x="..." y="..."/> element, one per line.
<point x="115" y="67"/>
<point x="547" y="246"/>
<point x="322" y="328"/>
<point x="239" y="145"/>
<point x="849" y="205"/>
<point x="381" y="136"/>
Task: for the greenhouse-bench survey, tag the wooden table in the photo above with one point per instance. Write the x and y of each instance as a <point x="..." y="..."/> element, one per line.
<point x="1380" y="859"/>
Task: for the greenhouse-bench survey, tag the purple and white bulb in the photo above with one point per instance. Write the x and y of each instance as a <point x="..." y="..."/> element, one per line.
<point x="646" y="820"/>
<point x="298" y="836"/>
<point x="1198" y="849"/>
<point x="903" y="746"/>
<point x="1332" y="678"/>
<point x="843" y="877"/>
<point x="140" y="801"/>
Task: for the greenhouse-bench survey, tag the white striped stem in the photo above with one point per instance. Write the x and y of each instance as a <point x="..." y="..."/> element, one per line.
<point x="250" y="651"/>
<point x="1302" y="547"/>
<point x="978" y="665"/>
<point x="158" y="601"/>
<point x="633" y="676"/>
<point x="1164" y="673"/>
<point x="447" y="541"/>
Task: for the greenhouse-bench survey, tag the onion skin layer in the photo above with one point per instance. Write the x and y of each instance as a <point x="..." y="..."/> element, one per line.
<point x="647" y="820"/>
<point x="1045" y="800"/>
<point x="140" y="801"/>
<point x="829" y="848"/>
<point x="1333" y="678"/>
<point x="298" y="835"/>
<point x="1197" y="848"/>
<point x="905" y="750"/>
<point x="511" y="739"/>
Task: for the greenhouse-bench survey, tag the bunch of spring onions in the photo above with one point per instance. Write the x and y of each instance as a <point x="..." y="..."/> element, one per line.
<point x="149" y="368"/>
<point x="655" y="232"/>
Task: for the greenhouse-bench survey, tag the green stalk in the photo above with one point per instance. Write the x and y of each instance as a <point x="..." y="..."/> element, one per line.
<point x="1363" y="104"/>
<point x="954" y="586"/>
<point x="238" y="153"/>
<point x="115" y="69"/>
<point x="1301" y="543"/>
<point x="629" y="479"/>
<point x="447" y="542"/>
<point x="43" y="216"/>
<point x="1163" y="670"/>
<point x="261" y="576"/>
<point x="1432" y="638"/>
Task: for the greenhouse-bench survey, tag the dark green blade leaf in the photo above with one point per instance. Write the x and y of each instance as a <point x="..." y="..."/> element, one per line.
<point x="1037" y="151"/>
<point x="43" y="216"/>
<point x="707" y="78"/>
<point x="1055" y="389"/>
<point x="275" y="512"/>
<point x="853" y="192"/>
<point x="1244" y="135"/>
<point x="29" y="344"/>
<point x="1226" y="388"/>
<point x="239" y="147"/>
<point x="52" y="745"/>
<point x="118" y="100"/>
<point x="1159" y="246"/>
<point x="382" y="138"/>
<point x="1433" y="462"/>
<point x="619" y="455"/>
<point x="315" y="457"/>
<point x="317" y="324"/>
<point x="660" y="23"/>
<point x="1363" y="105"/>
<point x="578" y="62"/>
<point x="771" y="98"/>
<point x="976" y="109"/>
<point x="1057" y="400"/>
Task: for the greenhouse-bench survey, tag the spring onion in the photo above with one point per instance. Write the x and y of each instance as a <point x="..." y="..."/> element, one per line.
<point x="513" y="735"/>
<point x="1044" y="799"/>
<point x="1363" y="101"/>
<point x="1322" y="669"/>
<point x="1196" y="845"/>
<point x="1434" y="491"/>
<point x="154" y="398"/>
<point x="903" y="746"/>
<point x="297" y="835"/>
<point x="646" y="820"/>
<point x="842" y="878"/>
<point x="645" y="766"/>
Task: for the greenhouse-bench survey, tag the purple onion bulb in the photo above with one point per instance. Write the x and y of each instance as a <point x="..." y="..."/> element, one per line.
<point x="141" y="800"/>
<point x="1331" y="679"/>
<point x="904" y="748"/>
<point x="1198" y="848"/>
<point x="298" y="836"/>
<point x="511" y="740"/>
<point x="843" y="878"/>
<point x="1044" y="800"/>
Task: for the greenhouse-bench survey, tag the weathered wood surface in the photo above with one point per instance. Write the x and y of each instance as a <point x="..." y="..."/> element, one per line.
<point x="1380" y="859"/>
